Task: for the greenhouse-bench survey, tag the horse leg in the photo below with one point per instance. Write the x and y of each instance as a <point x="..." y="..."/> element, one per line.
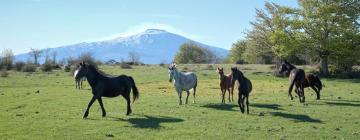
<point x="127" y="98"/>
<point x="317" y="92"/>
<point x="88" y="107"/>
<point x="179" y="94"/>
<point x="223" y="96"/>
<point x="239" y="102"/>
<point x="247" y="104"/>
<point x="290" y="89"/>
<point x="232" y="93"/>
<point x="302" y="93"/>
<point x="102" y="107"/>
<point x="81" y="84"/>
<point x="194" y="94"/>
<point x="243" y="104"/>
<point x="187" y="97"/>
<point x="229" y="94"/>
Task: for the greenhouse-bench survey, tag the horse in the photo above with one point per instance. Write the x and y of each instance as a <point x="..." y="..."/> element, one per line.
<point x="225" y="84"/>
<point x="296" y="77"/>
<point x="105" y="86"/>
<point x="183" y="81"/>
<point x="244" y="89"/>
<point x="313" y="81"/>
<point x="78" y="81"/>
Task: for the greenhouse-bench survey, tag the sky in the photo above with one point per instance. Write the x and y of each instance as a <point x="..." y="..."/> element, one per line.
<point x="26" y="24"/>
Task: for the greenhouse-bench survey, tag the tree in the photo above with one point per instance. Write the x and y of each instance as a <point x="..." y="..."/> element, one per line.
<point x="35" y="54"/>
<point x="6" y="59"/>
<point x="331" y="27"/>
<point x="190" y="53"/>
<point x="134" y="57"/>
<point x="237" y="50"/>
<point x="54" y="55"/>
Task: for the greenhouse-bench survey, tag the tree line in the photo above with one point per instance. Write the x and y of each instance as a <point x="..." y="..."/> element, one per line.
<point x="320" y="32"/>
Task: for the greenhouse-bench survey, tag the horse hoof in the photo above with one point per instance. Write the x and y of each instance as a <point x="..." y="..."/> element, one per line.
<point x="86" y="114"/>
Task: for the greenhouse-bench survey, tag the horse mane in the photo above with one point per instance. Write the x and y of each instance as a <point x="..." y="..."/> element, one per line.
<point x="102" y="73"/>
<point x="289" y="66"/>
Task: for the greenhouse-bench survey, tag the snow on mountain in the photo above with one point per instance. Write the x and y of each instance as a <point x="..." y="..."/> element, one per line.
<point x="153" y="45"/>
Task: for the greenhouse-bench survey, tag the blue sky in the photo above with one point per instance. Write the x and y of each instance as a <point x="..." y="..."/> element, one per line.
<point x="26" y="24"/>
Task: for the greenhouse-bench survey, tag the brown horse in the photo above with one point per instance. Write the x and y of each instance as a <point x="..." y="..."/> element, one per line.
<point x="225" y="84"/>
<point x="313" y="81"/>
<point x="296" y="77"/>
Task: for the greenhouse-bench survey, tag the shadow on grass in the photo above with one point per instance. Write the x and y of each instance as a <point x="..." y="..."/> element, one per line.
<point x="342" y="104"/>
<point x="267" y="106"/>
<point x="150" y="121"/>
<point x="340" y="100"/>
<point x="296" y="117"/>
<point x="224" y="107"/>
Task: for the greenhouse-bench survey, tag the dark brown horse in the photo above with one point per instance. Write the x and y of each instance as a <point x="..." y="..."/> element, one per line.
<point x="313" y="81"/>
<point x="105" y="86"/>
<point x="296" y="77"/>
<point x="244" y="89"/>
<point x="225" y="84"/>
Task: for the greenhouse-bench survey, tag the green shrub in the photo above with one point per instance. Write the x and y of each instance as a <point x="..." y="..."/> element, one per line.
<point x="19" y="65"/>
<point x="29" y="68"/>
<point x="4" y="73"/>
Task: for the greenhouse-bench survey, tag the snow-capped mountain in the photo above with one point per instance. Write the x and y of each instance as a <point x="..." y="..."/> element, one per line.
<point x="153" y="46"/>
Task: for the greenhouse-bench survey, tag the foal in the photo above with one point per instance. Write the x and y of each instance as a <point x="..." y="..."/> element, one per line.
<point x="244" y="89"/>
<point x="296" y="77"/>
<point x="225" y="84"/>
<point x="104" y="86"/>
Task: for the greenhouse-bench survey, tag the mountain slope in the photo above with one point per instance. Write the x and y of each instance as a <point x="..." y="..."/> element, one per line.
<point x="153" y="45"/>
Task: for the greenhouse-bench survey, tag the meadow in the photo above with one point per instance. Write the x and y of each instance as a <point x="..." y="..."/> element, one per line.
<point x="47" y="106"/>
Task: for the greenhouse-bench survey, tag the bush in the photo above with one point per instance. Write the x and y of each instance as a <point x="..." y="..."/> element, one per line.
<point x="4" y="73"/>
<point x="67" y="68"/>
<point x="47" y="67"/>
<point x="29" y="68"/>
<point x="19" y="65"/>
<point x="124" y="65"/>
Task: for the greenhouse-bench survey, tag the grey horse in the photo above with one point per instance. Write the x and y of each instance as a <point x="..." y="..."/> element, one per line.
<point x="183" y="81"/>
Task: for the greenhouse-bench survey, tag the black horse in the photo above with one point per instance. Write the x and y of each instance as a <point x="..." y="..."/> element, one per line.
<point x="313" y="81"/>
<point x="244" y="89"/>
<point x="104" y="86"/>
<point x="296" y="77"/>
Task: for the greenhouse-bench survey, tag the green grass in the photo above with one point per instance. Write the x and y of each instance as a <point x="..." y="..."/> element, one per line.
<point x="56" y="111"/>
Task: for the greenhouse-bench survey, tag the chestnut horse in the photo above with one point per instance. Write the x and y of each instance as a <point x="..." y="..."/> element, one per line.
<point x="225" y="84"/>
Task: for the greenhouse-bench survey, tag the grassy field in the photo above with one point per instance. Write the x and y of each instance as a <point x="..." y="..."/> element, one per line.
<point x="47" y="106"/>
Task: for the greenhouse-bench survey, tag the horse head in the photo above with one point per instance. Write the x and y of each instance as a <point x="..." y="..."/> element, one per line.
<point x="220" y="71"/>
<point x="82" y="71"/>
<point x="171" y="71"/>
<point x="235" y="74"/>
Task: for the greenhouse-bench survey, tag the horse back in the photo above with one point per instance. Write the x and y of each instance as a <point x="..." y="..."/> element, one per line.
<point x="114" y="86"/>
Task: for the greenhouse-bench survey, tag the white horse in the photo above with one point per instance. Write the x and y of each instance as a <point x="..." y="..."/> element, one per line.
<point x="78" y="81"/>
<point x="183" y="82"/>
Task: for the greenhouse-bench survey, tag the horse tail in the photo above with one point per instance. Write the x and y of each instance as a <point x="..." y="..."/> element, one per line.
<point x="134" y="88"/>
<point x="318" y="81"/>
